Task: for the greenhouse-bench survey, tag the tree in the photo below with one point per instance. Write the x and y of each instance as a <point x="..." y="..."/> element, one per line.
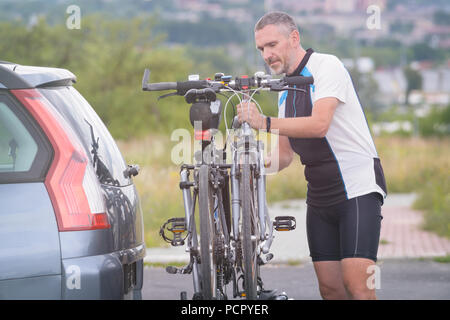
<point x="413" y="80"/>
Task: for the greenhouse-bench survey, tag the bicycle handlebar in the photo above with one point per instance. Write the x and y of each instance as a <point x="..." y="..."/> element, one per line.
<point x="242" y="83"/>
<point x="298" y="80"/>
<point x="161" y="86"/>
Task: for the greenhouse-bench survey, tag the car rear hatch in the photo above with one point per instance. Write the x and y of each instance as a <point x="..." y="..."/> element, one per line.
<point x="122" y="202"/>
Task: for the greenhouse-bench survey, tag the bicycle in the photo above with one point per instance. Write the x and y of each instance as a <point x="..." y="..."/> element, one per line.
<point x="233" y="238"/>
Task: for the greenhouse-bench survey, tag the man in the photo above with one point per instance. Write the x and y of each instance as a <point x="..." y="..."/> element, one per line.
<point x="326" y="127"/>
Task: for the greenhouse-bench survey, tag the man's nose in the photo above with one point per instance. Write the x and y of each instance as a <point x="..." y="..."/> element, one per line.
<point x="267" y="54"/>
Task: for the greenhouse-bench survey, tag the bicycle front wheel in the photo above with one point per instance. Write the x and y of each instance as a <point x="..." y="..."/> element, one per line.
<point x="207" y="261"/>
<point x="249" y="231"/>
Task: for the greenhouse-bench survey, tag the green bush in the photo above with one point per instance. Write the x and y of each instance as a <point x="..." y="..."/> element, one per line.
<point x="436" y="123"/>
<point x="434" y="200"/>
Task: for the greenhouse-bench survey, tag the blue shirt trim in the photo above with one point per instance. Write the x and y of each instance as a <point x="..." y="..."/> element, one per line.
<point x="282" y="98"/>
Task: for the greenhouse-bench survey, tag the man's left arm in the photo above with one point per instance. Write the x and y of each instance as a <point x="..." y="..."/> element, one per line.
<point x="314" y="126"/>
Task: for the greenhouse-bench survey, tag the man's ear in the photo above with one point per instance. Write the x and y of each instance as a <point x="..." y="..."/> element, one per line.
<point x="294" y="38"/>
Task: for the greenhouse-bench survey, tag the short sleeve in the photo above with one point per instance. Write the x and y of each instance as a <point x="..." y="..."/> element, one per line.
<point x="282" y="103"/>
<point x="331" y="80"/>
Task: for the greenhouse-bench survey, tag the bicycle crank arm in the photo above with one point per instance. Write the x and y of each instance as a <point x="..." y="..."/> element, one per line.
<point x="268" y="242"/>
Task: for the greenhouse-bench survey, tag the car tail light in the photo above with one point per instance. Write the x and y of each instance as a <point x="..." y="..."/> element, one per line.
<point x="71" y="181"/>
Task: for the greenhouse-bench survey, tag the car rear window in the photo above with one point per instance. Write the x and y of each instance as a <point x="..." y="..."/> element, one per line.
<point x="99" y="144"/>
<point x="17" y="147"/>
<point x="25" y="154"/>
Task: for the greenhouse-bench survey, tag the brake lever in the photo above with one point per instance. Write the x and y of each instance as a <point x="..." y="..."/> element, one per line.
<point x="167" y="95"/>
<point x="280" y="87"/>
<point x="296" y="89"/>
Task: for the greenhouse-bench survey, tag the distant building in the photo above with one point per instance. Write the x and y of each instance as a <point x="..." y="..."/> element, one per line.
<point x="351" y="6"/>
<point x="362" y="5"/>
<point x="362" y="64"/>
<point x="435" y="90"/>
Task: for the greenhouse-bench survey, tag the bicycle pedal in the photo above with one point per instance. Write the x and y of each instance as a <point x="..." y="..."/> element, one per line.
<point x="177" y="226"/>
<point x="272" y="295"/>
<point x="175" y="270"/>
<point x="284" y="223"/>
<point x="266" y="259"/>
<point x="172" y="270"/>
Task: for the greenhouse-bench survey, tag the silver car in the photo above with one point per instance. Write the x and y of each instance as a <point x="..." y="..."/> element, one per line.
<point x="70" y="217"/>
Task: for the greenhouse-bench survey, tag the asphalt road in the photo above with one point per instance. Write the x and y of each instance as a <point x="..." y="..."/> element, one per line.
<point x="399" y="280"/>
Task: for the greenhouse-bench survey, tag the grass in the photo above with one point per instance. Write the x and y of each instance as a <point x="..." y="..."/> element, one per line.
<point x="294" y="263"/>
<point x="157" y="184"/>
<point x="163" y="265"/>
<point x="422" y="166"/>
<point x="445" y="259"/>
<point x="410" y="165"/>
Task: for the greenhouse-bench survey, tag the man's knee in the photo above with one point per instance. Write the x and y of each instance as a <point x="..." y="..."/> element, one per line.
<point x="356" y="276"/>
<point x="332" y="292"/>
<point x="361" y="293"/>
<point x="358" y="289"/>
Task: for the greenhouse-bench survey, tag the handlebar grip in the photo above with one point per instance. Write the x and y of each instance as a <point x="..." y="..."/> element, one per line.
<point x="185" y="86"/>
<point x="298" y="80"/>
<point x="160" y="86"/>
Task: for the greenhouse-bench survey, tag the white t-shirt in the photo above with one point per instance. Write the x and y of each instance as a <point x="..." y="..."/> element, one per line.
<point x="345" y="161"/>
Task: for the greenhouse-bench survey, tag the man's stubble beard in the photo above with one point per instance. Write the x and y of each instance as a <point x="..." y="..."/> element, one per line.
<point x="283" y="70"/>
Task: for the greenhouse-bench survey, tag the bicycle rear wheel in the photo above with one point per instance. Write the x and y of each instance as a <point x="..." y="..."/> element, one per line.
<point x="207" y="261"/>
<point x="249" y="232"/>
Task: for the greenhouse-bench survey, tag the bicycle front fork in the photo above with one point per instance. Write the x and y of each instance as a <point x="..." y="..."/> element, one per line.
<point x="260" y="180"/>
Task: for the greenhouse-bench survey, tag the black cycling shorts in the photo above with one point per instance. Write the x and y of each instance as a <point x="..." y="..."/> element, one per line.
<point x="348" y="229"/>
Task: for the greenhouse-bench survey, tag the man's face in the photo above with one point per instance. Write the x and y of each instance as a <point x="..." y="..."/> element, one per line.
<point x="275" y="47"/>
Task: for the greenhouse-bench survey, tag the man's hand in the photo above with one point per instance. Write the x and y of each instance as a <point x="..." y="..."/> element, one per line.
<point x="248" y="112"/>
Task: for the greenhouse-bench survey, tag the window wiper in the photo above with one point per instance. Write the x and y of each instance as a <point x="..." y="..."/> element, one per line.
<point x="100" y="168"/>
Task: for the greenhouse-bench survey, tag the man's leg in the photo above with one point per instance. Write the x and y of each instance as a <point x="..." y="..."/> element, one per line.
<point x="355" y="275"/>
<point x="360" y="223"/>
<point x="324" y="245"/>
<point x="331" y="283"/>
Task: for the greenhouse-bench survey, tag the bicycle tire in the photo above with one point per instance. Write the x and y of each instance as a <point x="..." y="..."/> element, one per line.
<point x="207" y="261"/>
<point x="249" y="233"/>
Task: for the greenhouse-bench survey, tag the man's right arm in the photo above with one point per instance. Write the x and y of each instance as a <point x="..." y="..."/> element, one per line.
<point x="281" y="157"/>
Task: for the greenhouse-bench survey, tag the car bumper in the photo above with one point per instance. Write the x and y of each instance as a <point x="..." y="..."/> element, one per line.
<point x="117" y="275"/>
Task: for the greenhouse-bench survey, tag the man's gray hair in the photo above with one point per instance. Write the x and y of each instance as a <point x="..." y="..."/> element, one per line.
<point x="277" y="18"/>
